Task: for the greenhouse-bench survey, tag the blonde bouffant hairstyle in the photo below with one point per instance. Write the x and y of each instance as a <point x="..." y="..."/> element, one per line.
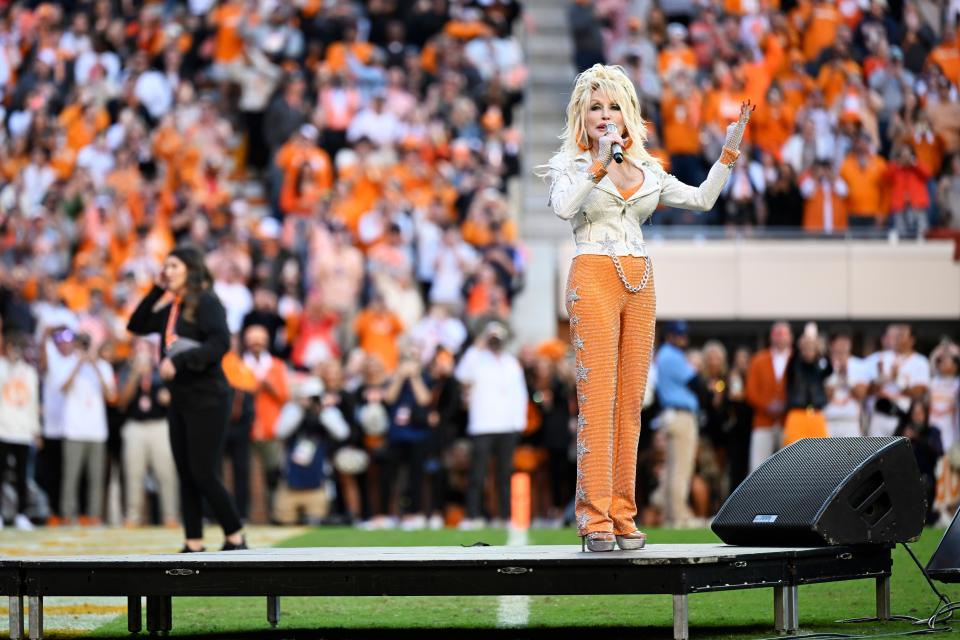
<point x="613" y="81"/>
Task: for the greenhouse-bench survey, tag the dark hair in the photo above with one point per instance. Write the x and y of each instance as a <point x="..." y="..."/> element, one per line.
<point x="198" y="278"/>
<point x="842" y="331"/>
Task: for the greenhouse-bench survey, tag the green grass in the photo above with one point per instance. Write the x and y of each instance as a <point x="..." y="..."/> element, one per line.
<point x="724" y="615"/>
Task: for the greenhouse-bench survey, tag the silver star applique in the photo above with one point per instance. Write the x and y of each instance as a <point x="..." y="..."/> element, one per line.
<point x="581" y="449"/>
<point x="608" y="244"/>
<point x="581" y="372"/>
<point x="582" y="521"/>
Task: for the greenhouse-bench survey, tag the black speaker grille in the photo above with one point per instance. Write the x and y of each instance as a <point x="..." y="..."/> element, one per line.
<point x="824" y="462"/>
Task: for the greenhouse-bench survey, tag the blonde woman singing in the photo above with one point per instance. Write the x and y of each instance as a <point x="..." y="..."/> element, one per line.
<point x="610" y="291"/>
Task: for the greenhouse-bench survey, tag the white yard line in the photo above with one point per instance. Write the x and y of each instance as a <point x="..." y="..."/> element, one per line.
<point x="514" y="611"/>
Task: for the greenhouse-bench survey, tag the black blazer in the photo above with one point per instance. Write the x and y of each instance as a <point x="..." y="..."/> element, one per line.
<point x="199" y="372"/>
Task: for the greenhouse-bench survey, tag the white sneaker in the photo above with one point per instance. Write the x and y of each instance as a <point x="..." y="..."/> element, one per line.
<point x="22" y="522"/>
<point x="414" y="523"/>
<point x="471" y="524"/>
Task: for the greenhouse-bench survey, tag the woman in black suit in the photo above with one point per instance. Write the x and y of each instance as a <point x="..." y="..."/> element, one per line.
<point x="199" y="394"/>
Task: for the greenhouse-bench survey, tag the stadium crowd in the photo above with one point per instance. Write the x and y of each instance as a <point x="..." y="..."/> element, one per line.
<point x="858" y="118"/>
<point x="345" y="167"/>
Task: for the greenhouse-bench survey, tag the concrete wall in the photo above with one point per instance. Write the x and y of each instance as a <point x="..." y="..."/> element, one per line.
<point x="764" y="279"/>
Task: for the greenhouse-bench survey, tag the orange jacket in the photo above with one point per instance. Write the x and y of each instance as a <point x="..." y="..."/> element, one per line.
<point x="814" y="209"/>
<point x="268" y="402"/>
<point x="764" y="388"/>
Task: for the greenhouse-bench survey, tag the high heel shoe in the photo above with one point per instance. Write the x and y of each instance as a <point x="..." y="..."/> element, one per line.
<point x="229" y="546"/>
<point x="597" y="541"/>
<point x="632" y="541"/>
<point x="187" y="549"/>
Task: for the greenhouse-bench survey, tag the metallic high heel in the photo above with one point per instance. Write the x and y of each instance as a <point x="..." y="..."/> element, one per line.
<point x="632" y="541"/>
<point x="597" y="541"/>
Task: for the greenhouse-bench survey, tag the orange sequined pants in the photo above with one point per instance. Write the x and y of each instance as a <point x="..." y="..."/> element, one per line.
<point x="611" y="330"/>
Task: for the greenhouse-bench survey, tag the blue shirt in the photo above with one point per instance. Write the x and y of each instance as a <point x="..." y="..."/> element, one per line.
<point x="673" y="374"/>
<point x="407" y="418"/>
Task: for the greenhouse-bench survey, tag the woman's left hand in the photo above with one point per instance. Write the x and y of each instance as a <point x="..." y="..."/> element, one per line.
<point x="167" y="369"/>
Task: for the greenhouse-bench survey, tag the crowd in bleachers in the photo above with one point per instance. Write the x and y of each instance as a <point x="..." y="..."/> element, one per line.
<point x="344" y="165"/>
<point x="858" y="118"/>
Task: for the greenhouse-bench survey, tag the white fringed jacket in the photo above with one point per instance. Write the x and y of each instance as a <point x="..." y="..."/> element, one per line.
<point x="603" y="222"/>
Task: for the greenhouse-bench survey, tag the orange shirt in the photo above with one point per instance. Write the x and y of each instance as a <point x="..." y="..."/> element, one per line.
<point x="948" y="58"/>
<point x="80" y="130"/>
<point x="268" y="402"/>
<point x="462" y="30"/>
<point x="821" y="30"/>
<point x="228" y="43"/>
<point x="478" y="234"/>
<point x="758" y="78"/>
<point x="722" y="106"/>
<point x="337" y="54"/>
<point x="377" y="334"/>
<point x="814" y="210"/>
<point x="832" y="79"/>
<point x="681" y="123"/>
<point x="303" y="203"/>
<point x="867" y="195"/>
<point x="238" y="374"/>
<point x="929" y="151"/>
<point x="795" y="87"/>
<point x="671" y="60"/>
<point x="292" y="155"/>
<point x="772" y="125"/>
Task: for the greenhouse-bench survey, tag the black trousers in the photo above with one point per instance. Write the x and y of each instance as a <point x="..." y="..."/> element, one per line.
<point x="411" y="455"/>
<point x="198" y="428"/>
<point x="501" y="447"/>
<point x="19" y="453"/>
<point x="49" y="471"/>
<point x="238" y="450"/>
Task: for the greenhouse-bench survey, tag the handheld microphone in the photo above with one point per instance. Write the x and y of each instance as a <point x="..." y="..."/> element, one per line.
<point x="617" y="149"/>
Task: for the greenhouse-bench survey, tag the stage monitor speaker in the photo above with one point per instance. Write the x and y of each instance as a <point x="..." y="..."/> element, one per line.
<point x="944" y="565"/>
<point x="828" y="491"/>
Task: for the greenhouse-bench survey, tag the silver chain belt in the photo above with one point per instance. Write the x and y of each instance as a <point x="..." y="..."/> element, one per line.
<point x="623" y="277"/>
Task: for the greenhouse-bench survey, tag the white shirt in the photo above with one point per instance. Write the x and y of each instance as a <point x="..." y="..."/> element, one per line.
<point x="432" y="332"/>
<point x="86" y="60"/>
<point x="944" y="393"/>
<point x="449" y="276"/>
<point x="897" y="374"/>
<point x="98" y="162"/>
<point x="843" y="410"/>
<point x="237" y="302"/>
<point x="780" y="359"/>
<point x="498" y="392"/>
<point x="155" y="93"/>
<point x="84" y="406"/>
<point x="428" y="236"/>
<point x="19" y="402"/>
<point x="382" y="128"/>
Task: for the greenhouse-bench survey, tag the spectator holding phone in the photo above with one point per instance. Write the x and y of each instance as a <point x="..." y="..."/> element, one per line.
<point x="194" y="339"/>
<point x="87" y="383"/>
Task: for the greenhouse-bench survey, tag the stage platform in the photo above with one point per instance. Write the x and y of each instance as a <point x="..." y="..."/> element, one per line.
<point x="674" y="569"/>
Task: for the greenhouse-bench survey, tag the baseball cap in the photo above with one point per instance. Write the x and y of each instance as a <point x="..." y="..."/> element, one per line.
<point x="675" y="328"/>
